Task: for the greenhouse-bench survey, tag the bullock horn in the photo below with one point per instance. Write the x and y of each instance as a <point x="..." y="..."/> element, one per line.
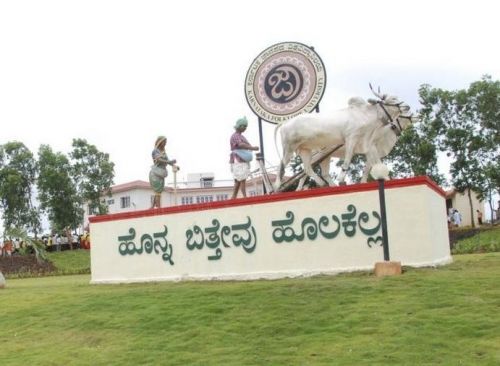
<point x="378" y="95"/>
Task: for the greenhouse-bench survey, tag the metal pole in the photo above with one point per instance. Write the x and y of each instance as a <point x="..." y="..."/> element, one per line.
<point x="175" y="184"/>
<point x="385" y="238"/>
<point x="261" y="141"/>
<point x="265" y="177"/>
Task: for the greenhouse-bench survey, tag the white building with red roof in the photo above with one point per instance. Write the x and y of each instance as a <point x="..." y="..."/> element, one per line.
<point x="198" y="188"/>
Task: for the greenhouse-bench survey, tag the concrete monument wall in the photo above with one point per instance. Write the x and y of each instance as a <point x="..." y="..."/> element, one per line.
<point x="326" y="230"/>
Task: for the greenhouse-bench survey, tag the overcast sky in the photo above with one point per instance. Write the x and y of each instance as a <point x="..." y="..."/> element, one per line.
<point x="119" y="73"/>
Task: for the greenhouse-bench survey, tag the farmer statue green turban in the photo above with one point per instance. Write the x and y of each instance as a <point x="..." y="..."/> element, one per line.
<point x="241" y="122"/>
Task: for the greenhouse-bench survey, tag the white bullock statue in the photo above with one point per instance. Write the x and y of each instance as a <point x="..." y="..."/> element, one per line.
<point x="370" y="128"/>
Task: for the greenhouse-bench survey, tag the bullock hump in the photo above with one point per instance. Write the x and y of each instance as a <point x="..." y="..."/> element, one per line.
<point x="356" y="102"/>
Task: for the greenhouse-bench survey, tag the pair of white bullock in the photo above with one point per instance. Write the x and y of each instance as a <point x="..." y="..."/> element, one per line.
<point x="369" y="128"/>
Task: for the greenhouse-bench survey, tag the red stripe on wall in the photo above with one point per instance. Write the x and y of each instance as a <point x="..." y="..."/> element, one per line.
<point x="277" y="197"/>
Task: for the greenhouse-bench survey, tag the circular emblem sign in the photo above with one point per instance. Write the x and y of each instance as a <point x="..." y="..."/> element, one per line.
<point x="285" y="80"/>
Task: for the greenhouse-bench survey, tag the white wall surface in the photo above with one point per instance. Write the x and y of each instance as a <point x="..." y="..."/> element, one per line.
<point x="241" y="239"/>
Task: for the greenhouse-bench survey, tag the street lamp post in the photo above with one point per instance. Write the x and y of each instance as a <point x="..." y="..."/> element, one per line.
<point x="383" y="217"/>
<point x="380" y="172"/>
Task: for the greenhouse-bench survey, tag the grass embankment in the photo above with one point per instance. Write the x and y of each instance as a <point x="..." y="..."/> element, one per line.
<point x="67" y="262"/>
<point x="443" y="316"/>
<point x="71" y="261"/>
<point x="487" y="239"/>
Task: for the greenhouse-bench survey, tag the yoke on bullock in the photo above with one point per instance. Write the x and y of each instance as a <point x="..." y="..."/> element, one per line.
<point x="368" y="128"/>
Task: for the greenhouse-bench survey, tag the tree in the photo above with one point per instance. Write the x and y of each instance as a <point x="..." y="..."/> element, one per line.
<point x="93" y="173"/>
<point x="416" y="150"/>
<point x="37" y="245"/>
<point x="468" y="123"/>
<point x="57" y="191"/>
<point x="484" y="107"/>
<point x="18" y="170"/>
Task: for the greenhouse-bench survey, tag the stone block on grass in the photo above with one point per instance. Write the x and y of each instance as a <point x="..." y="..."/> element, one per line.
<point x="387" y="268"/>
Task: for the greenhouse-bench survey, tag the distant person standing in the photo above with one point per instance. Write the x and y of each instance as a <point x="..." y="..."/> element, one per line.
<point x="479" y="217"/>
<point x="240" y="157"/>
<point x="17" y="246"/>
<point x="457" y="218"/>
<point x="158" y="171"/>
<point x="7" y="248"/>
<point x="451" y="210"/>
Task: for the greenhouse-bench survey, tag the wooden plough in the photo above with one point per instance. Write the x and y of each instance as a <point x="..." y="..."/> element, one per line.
<point x="285" y="185"/>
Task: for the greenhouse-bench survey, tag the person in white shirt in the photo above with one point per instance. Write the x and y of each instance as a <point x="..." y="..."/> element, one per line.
<point x="457" y="218"/>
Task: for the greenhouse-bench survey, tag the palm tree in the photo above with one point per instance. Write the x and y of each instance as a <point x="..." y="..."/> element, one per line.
<point x="37" y="245"/>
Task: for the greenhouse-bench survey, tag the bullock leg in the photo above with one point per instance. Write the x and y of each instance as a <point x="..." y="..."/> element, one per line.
<point x="366" y="172"/>
<point x="325" y="171"/>
<point x="302" y="180"/>
<point x="306" y="156"/>
<point x="326" y="178"/>
<point x="325" y="174"/>
<point x="287" y="155"/>
<point x="349" y="150"/>
<point x="372" y="159"/>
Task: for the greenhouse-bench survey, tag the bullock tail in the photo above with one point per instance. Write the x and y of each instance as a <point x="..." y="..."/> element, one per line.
<point x="275" y="142"/>
<point x="281" y="170"/>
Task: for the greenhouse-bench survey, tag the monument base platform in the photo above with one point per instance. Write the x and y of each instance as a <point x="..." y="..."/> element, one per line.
<point x="325" y="230"/>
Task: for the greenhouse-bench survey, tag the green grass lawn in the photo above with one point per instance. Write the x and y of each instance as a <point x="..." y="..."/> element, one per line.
<point x="444" y="316"/>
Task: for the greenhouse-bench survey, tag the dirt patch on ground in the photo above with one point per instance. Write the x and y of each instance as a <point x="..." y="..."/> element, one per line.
<point x="24" y="263"/>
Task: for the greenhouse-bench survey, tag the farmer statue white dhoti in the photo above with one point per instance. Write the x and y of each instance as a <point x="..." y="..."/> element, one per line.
<point x="241" y="155"/>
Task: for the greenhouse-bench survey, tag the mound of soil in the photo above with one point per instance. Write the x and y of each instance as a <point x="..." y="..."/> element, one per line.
<point x="24" y="263"/>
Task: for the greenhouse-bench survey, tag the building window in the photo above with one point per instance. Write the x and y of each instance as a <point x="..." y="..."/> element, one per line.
<point x="111" y="202"/>
<point x="125" y="202"/>
<point x="204" y="199"/>
<point x="207" y="182"/>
